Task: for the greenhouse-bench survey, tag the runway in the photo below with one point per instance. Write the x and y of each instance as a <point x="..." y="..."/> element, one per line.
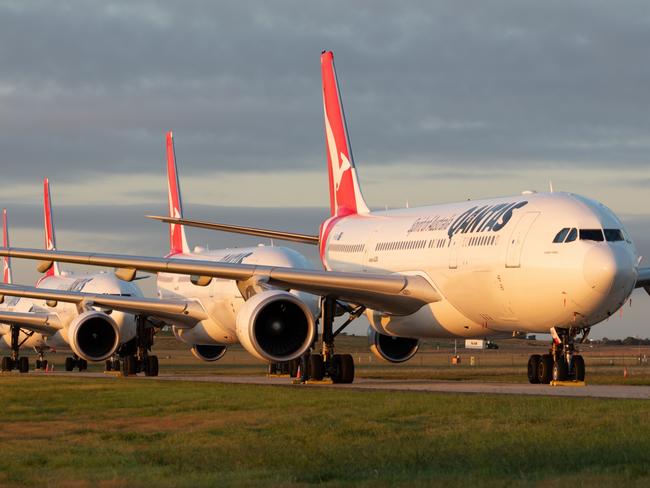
<point x="589" y="391"/>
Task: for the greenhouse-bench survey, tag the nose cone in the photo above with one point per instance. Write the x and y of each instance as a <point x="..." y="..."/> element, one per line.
<point x="607" y="269"/>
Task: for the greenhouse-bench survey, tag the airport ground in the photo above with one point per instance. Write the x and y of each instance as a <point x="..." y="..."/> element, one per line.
<point x="61" y="431"/>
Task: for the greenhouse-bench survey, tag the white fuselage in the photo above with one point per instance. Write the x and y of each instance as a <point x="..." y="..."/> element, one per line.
<point x="494" y="263"/>
<point x="101" y="283"/>
<point x="222" y="299"/>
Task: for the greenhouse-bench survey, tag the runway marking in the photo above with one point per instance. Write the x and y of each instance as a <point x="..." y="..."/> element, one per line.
<point x="364" y="384"/>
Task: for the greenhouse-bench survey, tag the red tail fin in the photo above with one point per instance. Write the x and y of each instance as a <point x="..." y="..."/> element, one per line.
<point x="50" y="239"/>
<point x="177" y="239"/>
<point x="345" y="194"/>
<point x="6" y="260"/>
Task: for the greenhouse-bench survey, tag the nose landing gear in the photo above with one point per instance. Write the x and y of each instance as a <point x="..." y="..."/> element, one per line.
<point x="562" y="363"/>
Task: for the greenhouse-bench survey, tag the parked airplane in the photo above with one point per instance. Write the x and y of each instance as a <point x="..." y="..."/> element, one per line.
<point x="208" y="315"/>
<point x="538" y="263"/>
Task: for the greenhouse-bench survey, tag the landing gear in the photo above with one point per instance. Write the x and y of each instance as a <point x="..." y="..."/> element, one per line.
<point x="15" y="361"/>
<point x="41" y="363"/>
<point x="338" y="367"/>
<point x="113" y="364"/>
<point x="562" y="363"/>
<point x="72" y="362"/>
<point x="136" y="354"/>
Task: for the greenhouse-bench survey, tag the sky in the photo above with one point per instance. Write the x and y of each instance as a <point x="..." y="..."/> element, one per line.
<point x="444" y="100"/>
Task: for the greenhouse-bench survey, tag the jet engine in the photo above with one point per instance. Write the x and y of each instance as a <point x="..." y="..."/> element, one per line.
<point x="275" y="326"/>
<point x="390" y="348"/>
<point x="93" y="336"/>
<point x="208" y="352"/>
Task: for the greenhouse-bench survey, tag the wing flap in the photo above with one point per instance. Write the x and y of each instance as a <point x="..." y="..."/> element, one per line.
<point x="391" y="293"/>
<point x="181" y="313"/>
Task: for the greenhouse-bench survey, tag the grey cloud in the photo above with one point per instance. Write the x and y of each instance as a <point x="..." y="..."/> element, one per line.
<point x="89" y="88"/>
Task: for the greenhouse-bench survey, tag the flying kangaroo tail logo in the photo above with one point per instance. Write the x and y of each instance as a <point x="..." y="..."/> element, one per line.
<point x="177" y="239"/>
<point x="50" y="238"/>
<point x="345" y="194"/>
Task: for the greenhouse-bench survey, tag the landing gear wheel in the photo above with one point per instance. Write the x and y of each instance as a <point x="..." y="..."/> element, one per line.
<point x="533" y="368"/>
<point x="151" y="367"/>
<point x="130" y="366"/>
<point x="109" y="365"/>
<point x="560" y="370"/>
<point x="342" y="368"/>
<point x="69" y="363"/>
<point x="23" y="364"/>
<point x="273" y="367"/>
<point x="82" y="364"/>
<point x="579" y="367"/>
<point x="44" y="364"/>
<point x="38" y="364"/>
<point x="7" y="363"/>
<point x="545" y="369"/>
<point x="316" y="367"/>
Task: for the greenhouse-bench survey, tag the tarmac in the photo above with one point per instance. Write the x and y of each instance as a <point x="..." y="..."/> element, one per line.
<point x="364" y="384"/>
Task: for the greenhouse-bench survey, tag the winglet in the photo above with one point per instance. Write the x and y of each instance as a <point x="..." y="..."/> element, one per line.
<point x="6" y="260"/>
<point x="50" y="238"/>
<point x="177" y="239"/>
<point x="345" y="193"/>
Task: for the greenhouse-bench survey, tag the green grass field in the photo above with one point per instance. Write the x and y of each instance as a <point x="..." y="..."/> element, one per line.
<point x="119" y="432"/>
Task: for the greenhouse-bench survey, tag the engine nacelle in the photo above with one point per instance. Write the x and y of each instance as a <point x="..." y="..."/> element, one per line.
<point x="275" y="326"/>
<point x="94" y="336"/>
<point x="390" y="348"/>
<point x="208" y="352"/>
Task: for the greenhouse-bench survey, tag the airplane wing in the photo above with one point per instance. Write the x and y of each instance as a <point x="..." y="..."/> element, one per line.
<point x="181" y="313"/>
<point x="40" y="322"/>
<point x="644" y="279"/>
<point x="391" y="293"/>
<point x="238" y="229"/>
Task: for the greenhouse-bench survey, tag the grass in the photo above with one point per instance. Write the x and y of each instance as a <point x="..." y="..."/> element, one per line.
<point x="115" y="432"/>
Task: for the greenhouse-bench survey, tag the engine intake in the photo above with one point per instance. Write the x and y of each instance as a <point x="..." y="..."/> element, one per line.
<point x="208" y="352"/>
<point x="94" y="336"/>
<point x="391" y="348"/>
<point x="275" y="326"/>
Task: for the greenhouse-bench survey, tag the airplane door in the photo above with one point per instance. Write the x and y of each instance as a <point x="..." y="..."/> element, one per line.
<point x="453" y="253"/>
<point x="517" y="239"/>
<point x="370" y="257"/>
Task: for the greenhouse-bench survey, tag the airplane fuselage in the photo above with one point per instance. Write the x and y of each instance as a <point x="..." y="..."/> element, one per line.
<point x="494" y="262"/>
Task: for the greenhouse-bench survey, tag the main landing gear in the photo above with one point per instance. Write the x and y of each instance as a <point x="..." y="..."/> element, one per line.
<point x="562" y="363"/>
<point x="74" y="361"/>
<point x="338" y="367"/>
<point x="15" y="361"/>
<point x="136" y="354"/>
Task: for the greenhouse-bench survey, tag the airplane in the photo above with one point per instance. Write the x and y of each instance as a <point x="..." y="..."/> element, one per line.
<point x="209" y="315"/>
<point x="555" y="263"/>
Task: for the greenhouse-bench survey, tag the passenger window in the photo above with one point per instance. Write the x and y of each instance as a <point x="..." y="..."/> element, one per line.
<point x="591" y="235"/>
<point x="559" y="238"/>
<point x="573" y="235"/>
<point x="614" y="235"/>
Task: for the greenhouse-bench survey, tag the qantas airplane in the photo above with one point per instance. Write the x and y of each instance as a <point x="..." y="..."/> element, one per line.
<point x="554" y="263"/>
<point x="208" y="315"/>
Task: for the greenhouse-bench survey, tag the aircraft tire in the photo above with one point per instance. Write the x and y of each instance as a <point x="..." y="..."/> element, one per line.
<point x="316" y="367"/>
<point x="533" y="368"/>
<point x="109" y="365"/>
<point x="44" y="364"/>
<point x="579" y="367"/>
<point x="6" y="363"/>
<point x="129" y="366"/>
<point x="69" y="364"/>
<point x="82" y="364"/>
<point x="560" y="370"/>
<point x="23" y="364"/>
<point x="151" y="368"/>
<point x="545" y="369"/>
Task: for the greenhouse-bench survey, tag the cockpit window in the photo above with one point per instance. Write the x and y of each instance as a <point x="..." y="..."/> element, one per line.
<point x="614" y="235"/>
<point x="573" y="235"/>
<point x="559" y="238"/>
<point x="591" y="235"/>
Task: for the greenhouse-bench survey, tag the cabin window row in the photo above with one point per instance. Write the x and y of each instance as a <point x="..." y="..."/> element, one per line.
<point x="400" y="245"/>
<point x="347" y="247"/>
<point x="480" y="241"/>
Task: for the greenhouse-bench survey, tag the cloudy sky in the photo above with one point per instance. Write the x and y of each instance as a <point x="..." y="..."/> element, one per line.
<point x="444" y="102"/>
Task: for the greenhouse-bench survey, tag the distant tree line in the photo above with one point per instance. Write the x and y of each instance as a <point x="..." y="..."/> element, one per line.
<point x="628" y="341"/>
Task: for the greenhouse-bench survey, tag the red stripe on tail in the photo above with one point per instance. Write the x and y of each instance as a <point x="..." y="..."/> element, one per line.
<point x="177" y="239"/>
<point x="50" y="238"/>
<point x="6" y="260"/>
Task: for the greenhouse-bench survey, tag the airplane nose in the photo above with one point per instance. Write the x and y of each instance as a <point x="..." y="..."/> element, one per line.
<point x="606" y="269"/>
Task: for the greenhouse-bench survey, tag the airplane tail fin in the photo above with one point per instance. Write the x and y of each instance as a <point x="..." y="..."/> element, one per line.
<point x="177" y="238"/>
<point x="6" y="260"/>
<point x="345" y="193"/>
<point x="50" y="238"/>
